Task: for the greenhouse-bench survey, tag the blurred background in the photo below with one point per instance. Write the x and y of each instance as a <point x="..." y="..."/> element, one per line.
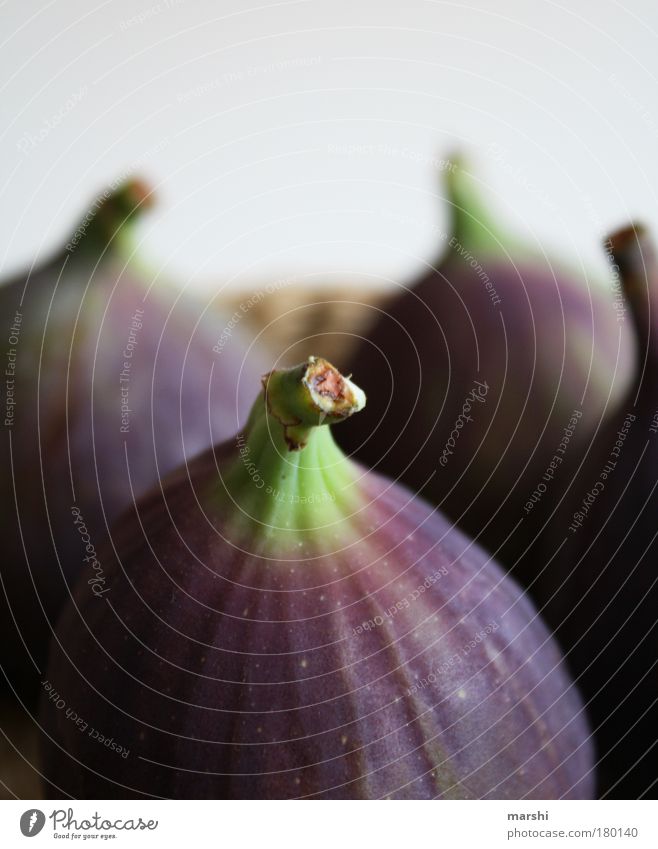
<point x="304" y="140"/>
<point x="306" y="137"/>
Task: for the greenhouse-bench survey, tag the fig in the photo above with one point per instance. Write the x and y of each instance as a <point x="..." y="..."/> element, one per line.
<point x="108" y="376"/>
<point x="488" y="375"/>
<point x="280" y="622"/>
<point x="599" y="588"/>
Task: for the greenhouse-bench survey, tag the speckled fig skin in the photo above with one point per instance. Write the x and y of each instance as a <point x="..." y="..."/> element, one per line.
<point x="600" y="590"/>
<point x="81" y="324"/>
<point x="383" y="655"/>
<point x="544" y="340"/>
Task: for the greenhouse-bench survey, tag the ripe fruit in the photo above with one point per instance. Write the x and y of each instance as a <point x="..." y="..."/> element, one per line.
<point x="600" y="588"/>
<point x="113" y="383"/>
<point x="484" y="372"/>
<point x="280" y="622"/>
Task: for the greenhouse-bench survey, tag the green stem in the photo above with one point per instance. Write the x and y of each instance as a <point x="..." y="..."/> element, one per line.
<point x="472" y="224"/>
<point x="473" y="227"/>
<point x="109" y="221"/>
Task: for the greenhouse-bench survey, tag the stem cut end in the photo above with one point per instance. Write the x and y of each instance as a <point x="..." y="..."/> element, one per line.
<point x="632" y="250"/>
<point x="332" y="393"/>
<point x="311" y="394"/>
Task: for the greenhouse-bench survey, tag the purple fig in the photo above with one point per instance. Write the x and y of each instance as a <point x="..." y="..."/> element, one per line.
<point x="110" y="372"/>
<point x="489" y="373"/>
<point x="277" y="621"/>
<point x="600" y="585"/>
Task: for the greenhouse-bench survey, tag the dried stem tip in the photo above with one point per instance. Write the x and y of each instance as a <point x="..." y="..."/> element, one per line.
<point x="308" y="395"/>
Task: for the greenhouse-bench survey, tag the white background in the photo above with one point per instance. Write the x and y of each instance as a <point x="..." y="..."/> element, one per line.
<point x="243" y="118"/>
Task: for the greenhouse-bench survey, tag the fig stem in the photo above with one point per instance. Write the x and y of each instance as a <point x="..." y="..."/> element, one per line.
<point x="311" y="394"/>
<point x="109" y="220"/>
<point x="471" y="223"/>
<point x="289" y="475"/>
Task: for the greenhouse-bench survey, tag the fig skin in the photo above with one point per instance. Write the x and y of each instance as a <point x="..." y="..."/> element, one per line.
<point x="599" y="590"/>
<point x="544" y="340"/>
<point x="94" y="323"/>
<point x="334" y="637"/>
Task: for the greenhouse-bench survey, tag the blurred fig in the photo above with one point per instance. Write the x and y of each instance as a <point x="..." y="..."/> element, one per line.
<point x="600" y="585"/>
<point x="279" y="622"/>
<point x="109" y="374"/>
<point x="489" y="374"/>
